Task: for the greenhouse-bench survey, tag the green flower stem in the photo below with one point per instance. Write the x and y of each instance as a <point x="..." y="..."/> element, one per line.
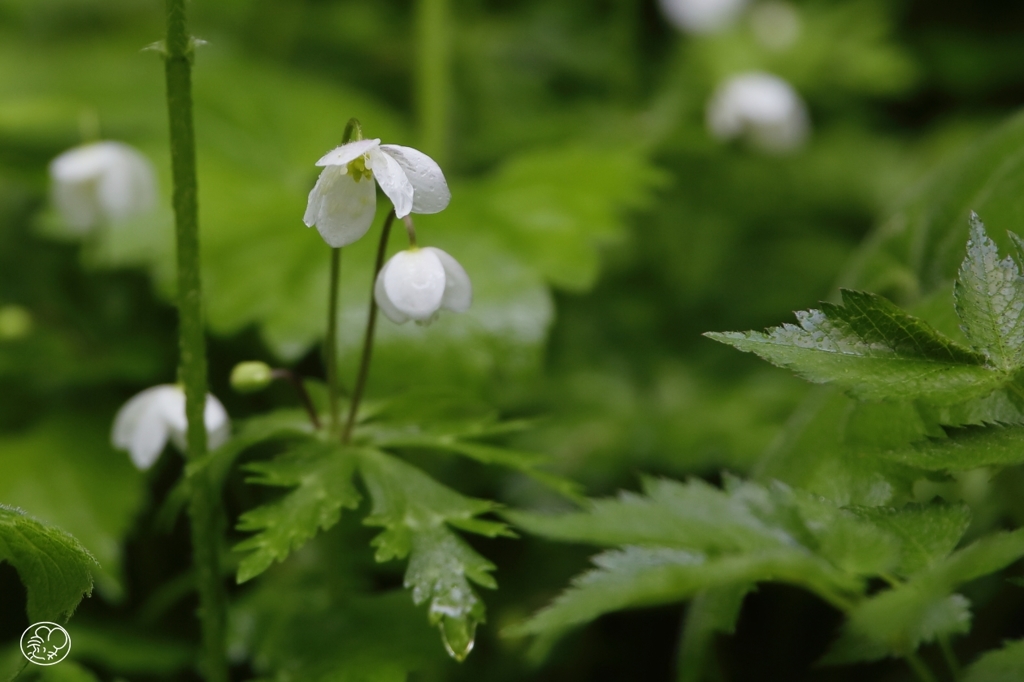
<point x="951" y="660"/>
<point x="300" y="389"/>
<point x="920" y="668"/>
<point x="371" y="325"/>
<point x="410" y="230"/>
<point x="433" y="75"/>
<point x="331" y="341"/>
<point x="352" y="129"/>
<point x="204" y="506"/>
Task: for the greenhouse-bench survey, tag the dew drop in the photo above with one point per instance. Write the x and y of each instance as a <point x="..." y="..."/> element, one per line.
<point x="458" y="635"/>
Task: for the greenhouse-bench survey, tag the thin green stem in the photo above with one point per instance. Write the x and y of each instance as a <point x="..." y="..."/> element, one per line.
<point x="352" y="129"/>
<point x="371" y="325"/>
<point x="300" y="389"/>
<point x="952" y="662"/>
<point x="331" y="341"/>
<point x="204" y="507"/>
<point x="920" y="668"/>
<point x="410" y="230"/>
<point x="433" y="75"/>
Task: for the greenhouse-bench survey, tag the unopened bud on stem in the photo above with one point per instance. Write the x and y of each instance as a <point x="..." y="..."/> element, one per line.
<point x="250" y="377"/>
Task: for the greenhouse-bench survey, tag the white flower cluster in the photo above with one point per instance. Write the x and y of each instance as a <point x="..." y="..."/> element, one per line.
<point x="414" y="284"/>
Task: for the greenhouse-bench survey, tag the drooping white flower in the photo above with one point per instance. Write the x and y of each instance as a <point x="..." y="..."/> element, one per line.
<point x="702" y="16"/>
<point x="342" y="202"/>
<point x="762" y="107"/>
<point x="416" y="284"/>
<point x="101" y="182"/>
<point x="146" y="422"/>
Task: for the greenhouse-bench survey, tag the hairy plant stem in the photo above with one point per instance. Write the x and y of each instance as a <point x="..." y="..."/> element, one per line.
<point x="920" y="668"/>
<point x="204" y="506"/>
<point x="433" y="75"/>
<point x="352" y="129"/>
<point x="331" y="341"/>
<point x="371" y="325"/>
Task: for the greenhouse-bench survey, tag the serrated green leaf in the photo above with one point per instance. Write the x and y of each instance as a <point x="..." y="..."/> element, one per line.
<point x="873" y="349"/>
<point x="415" y="511"/>
<point x="321" y="477"/>
<point x="927" y="533"/>
<point x="989" y="298"/>
<point x="1003" y="665"/>
<point x="54" y="567"/>
<point x="692" y="515"/>
<point x="897" y="621"/>
<point x="639" y="576"/>
<point x="965" y="448"/>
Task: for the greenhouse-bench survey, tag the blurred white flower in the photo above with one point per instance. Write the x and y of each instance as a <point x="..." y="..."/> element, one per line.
<point x="416" y="284"/>
<point x="762" y="107"/>
<point x="702" y="16"/>
<point x="101" y="182"/>
<point x="146" y="422"/>
<point x="343" y="201"/>
<point x="776" y="25"/>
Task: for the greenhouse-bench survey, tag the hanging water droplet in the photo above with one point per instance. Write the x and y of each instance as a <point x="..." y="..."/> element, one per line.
<point x="458" y="635"/>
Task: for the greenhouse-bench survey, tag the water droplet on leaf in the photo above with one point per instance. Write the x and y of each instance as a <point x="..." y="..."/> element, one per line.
<point x="458" y="635"/>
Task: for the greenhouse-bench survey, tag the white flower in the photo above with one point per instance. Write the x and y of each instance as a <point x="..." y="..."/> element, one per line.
<point x="701" y="16"/>
<point x="342" y="202"/>
<point x="416" y="284"/>
<point x="146" y="422"/>
<point x="101" y="182"/>
<point x="762" y="107"/>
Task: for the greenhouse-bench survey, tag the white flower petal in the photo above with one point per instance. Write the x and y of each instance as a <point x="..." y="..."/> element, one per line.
<point x="458" y="290"/>
<point x="341" y="208"/>
<point x="415" y="283"/>
<point x="430" y="189"/>
<point x="701" y="16"/>
<point x="218" y="426"/>
<point x="347" y="153"/>
<point x="392" y="180"/>
<point x="141" y="425"/>
<point x="764" y="107"/>
<point x="128" y="186"/>
<point x="383" y="302"/>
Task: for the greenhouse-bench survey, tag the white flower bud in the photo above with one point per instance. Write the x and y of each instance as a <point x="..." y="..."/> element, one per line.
<point x="99" y="183"/>
<point x="416" y="284"/>
<point x="761" y="107"/>
<point x="146" y="422"/>
<point x="701" y="16"/>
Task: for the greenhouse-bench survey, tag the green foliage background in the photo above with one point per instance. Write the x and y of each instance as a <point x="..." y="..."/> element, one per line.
<point x="604" y="231"/>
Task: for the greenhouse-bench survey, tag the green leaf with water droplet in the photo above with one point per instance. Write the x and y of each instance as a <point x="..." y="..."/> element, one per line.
<point x="989" y="298"/>
<point x="321" y="477"/>
<point x="873" y="349"/>
<point x="416" y="512"/>
<point x="54" y="567"/>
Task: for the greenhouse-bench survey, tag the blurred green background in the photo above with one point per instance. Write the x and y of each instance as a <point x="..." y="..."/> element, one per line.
<point x="603" y="227"/>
